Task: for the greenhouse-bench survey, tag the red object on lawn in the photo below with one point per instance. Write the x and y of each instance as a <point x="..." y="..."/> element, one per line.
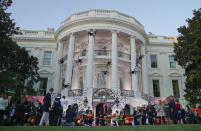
<point x="34" y="98"/>
<point x="163" y="99"/>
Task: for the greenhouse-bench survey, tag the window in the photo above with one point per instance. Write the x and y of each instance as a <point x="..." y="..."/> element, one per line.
<point x="156" y="88"/>
<point x="120" y="54"/>
<point x="43" y="86"/>
<point x="153" y="61"/>
<point x="63" y="83"/>
<point x="172" y="62"/>
<point x="81" y="83"/>
<point x="47" y="58"/>
<point x="121" y="84"/>
<point x="101" y="81"/>
<point x="84" y="52"/>
<point x="175" y="87"/>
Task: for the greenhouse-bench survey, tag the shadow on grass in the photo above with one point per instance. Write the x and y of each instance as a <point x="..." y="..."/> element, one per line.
<point x="120" y="128"/>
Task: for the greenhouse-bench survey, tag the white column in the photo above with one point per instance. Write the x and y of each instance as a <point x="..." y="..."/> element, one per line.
<point x="144" y="70"/>
<point x="57" y="69"/>
<point x="134" y="75"/>
<point x="115" y="76"/>
<point x="70" y="59"/>
<point x="90" y="65"/>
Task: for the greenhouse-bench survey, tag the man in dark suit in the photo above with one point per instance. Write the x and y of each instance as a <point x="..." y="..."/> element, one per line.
<point x="103" y="112"/>
<point x="46" y="107"/>
<point x="172" y="110"/>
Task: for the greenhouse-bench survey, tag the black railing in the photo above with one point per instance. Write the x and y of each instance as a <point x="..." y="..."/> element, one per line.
<point x="128" y="93"/>
<point x="102" y="52"/>
<point x="123" y="55"/>
<point x="147" y="97"/>
<point x="103" y="93"/>
<point x="75" y="92"/>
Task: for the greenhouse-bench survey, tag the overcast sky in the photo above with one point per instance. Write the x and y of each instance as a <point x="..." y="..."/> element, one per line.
<point x="161" y="17"/>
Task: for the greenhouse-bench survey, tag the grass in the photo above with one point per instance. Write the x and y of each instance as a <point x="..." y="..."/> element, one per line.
<point x="120" y="128"/>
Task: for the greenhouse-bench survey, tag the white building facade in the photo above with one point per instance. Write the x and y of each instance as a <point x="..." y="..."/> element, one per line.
<point x="104" y="56"/>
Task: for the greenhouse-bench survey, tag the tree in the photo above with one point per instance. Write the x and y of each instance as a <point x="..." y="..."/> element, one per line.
<point x="18" y="70"/>
<point x="188" y="54"/>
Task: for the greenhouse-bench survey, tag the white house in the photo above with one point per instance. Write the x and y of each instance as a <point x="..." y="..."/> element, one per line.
<point x="105" y="56"/>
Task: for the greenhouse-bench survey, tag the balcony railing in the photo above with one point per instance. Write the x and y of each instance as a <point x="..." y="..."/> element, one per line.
<point x="123" y="55"/>
<point x="103" y="93"/>
<point x="147" y="97"/>
<point x="105" y="53"/>
<point x="128" y="93"/>
<point x="75" y="92"/>
<point x="102" y="52"/>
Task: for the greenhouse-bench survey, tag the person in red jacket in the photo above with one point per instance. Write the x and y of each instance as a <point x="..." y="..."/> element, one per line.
<point x="198" y="110"/>
<point x="178" y="107"/>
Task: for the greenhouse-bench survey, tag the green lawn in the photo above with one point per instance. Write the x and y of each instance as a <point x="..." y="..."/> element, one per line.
<point x="121" y="128"/>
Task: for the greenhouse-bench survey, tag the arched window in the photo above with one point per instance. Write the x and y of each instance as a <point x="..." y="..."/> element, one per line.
<point x="101" y="81"/>
<point x="81" y="83"/>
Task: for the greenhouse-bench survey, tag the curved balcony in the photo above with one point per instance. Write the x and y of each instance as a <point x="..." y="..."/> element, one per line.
<point x="106" y="54"/>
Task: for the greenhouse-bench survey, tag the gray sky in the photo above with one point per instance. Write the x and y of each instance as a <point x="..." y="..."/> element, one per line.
<point x="161" y="17"/>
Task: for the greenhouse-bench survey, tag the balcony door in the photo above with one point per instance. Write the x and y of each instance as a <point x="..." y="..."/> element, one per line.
<point x="101" y="80"/>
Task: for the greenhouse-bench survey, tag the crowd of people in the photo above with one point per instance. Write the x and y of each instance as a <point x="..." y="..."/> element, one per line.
<point x="24" y="112"/>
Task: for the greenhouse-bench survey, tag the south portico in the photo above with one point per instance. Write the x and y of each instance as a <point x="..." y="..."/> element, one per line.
<point x="90" y="77"/>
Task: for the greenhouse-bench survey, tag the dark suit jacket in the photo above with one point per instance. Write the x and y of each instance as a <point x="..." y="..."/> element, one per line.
<point x="172" y="106"/>
<point x="47" y="102"/>
<point x="102" y="110"/>
<point x="70" y="114"/>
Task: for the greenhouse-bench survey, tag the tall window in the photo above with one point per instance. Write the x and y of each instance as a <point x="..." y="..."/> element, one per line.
<point x="172" y="62"/>
<point x="175" y="87"/>
<point x="156" y="88"/>
<point x="101" y="81"/>
<point x="47" y="58"/>
<point x="43" y="86"/>
<point x="121" y="84"/>
<point x="63" y="83"/>
<point x="81" y="83"/>
<point x="153" y="61"/>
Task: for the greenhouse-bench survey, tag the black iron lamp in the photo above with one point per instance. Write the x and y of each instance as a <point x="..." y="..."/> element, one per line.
<point x="67" y="85"/>
<point x="79" y="60"/>
<point x="61" y="61"/>
<point x="105" y="72"/>
<point x="92" y="32"/>
<point x="134" y="71"/>
<point x="108" y="63"/>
